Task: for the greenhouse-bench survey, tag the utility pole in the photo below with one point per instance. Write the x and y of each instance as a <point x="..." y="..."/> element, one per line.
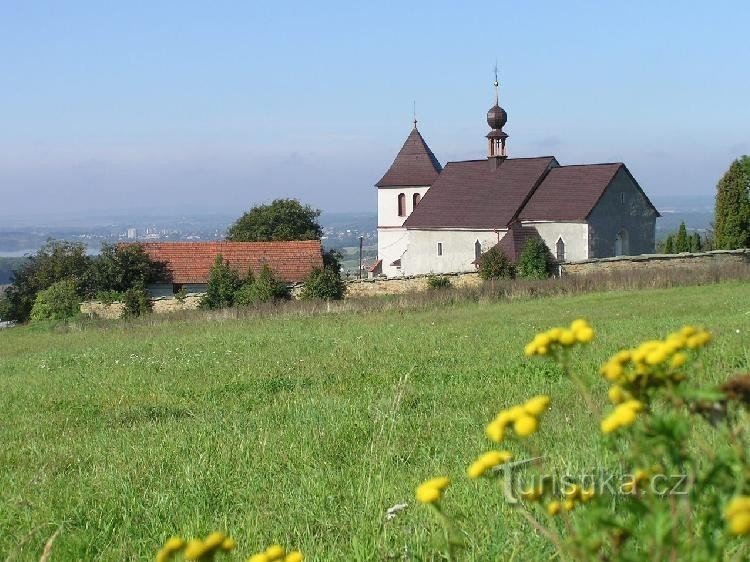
<point x="361" y="238"/>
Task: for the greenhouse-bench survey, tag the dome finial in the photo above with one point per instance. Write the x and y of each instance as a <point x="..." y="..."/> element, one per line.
<point x="414" y="112"/>
<point x="497" y="85"/>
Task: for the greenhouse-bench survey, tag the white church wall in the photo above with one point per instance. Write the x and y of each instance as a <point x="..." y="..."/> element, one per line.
<point x="392" y="243"/>
<point x="575" y="235"/>
<point x="388" y="204"/>
<point x="458" y="250"/>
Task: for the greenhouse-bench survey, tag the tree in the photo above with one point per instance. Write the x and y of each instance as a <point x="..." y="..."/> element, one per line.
<point x="223" y="283"/>
<point x="136" y="302"/>
<point x="681" y="242"/>
<point x="59" y="301"/>
<point x="535" y="261"/>
<point x="122" y="267"/>
<point x="54" y="261"/>
<point x="494" y="264"/>
<point x="732" y="209"/>
<point x="264" y="288"/>
<point x="283" y="219"/>
<point x="695" y="242"/>
<point x="332" y="260"/>
<point x="324" y="284"/>
<point x="669" y="245"/>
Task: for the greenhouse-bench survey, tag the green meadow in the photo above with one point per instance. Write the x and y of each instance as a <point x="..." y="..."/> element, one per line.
<point x="305" y="429"/>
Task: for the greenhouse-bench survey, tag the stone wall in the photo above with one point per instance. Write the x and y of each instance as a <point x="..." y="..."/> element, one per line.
<point x="656" y="262"/>
<point x="160" y="304"/>
<point x="399" y="285"/>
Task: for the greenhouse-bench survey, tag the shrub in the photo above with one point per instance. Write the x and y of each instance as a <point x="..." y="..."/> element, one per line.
<point x="181" y="295"/>
<point x="223" y="283"/>
<point x="494" y="264"/>
<point x="108" y="297"/>
<point x="264" y="288"/>
<point x="60" y="301"/>
<point x="324" y="284"/>
<point x="121" y="267"/>
<point x="535" y="261"/>
<point x="136" y="302"/>
<point x="438" y="282"/>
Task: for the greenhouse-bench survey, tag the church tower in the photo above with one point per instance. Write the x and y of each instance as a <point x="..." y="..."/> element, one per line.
<point x="399" y="192"/>
<point x="496" y="119"/>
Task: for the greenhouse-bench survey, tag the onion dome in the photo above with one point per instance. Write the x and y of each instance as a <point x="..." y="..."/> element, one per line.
<point x="497" y="117"/>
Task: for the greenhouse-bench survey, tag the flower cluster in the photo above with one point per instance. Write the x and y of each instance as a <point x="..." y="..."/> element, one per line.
<point x="487" y="462"/>
<point x="737" y="515"/>
<point x="653" y="363"/>
<point x="574" y="495"/>
<point x="639" y="477"/>
<point x="196" y="549"/>
<point x="624" y="415"/>
<point x="431" y="491"/>
<point x="523" y="418"/>
<point x="555" y="339"/>
<point x="276" y="552"/>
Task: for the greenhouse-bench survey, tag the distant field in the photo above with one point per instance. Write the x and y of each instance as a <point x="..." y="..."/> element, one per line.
<point x="304" y="430"/>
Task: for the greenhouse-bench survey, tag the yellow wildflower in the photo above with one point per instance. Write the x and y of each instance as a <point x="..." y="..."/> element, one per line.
<point x="740" y="523"/>
<point x="228" y="544"/>
<point x="738" y="504"/>
<point x="657" y="356"/>
<point x="514" y="413"/>
<point x="537" y="405"/>
<point x="612" y="371"/>
<point x="587" y="495"/>
<point x="214" y="541"/>
<point x="687" y="331"/>
<point x="678" y="360"/>
<point x="616" y="394"/>
<point x="441" y="482"/>
<point x="553" y="507"/>
<point x="476" y="470"/>
<point x="532" y="494"/>
<point x="432" y="490"/>
<point x="609" y="424"/>
<point x="194" y="549"/>
<point x="578" y="324"/>
<point x="173" y="545"/>
<point x="260" y="557"/>
<point x="495" y="431"/>
<point x="624" y="416"/>
<point x="275" y="552"/>
<point x="569" y="504"/>
<point x="294" y="556"/>
<point x="573" y="492"/>
<point x="525" y="425"/>
<point x="567" y="337"/>
<point x="554" y="334"/>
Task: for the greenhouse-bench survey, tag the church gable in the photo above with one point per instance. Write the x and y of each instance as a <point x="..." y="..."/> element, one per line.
<point x="415" y="164"/>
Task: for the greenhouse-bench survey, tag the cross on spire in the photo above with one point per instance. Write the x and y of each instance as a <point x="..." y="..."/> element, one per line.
<point x="414" y="113"/>
<point x="497" y="85"/>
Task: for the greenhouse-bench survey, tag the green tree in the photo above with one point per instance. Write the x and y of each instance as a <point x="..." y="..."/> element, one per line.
<point x="681" y="242"/>
<point x="59" y="301"/>
<point x="136" y="301"/>
<point x="263" y="288"/>
<point x="732" y="209"/>
<point x="283" y="219"/>
<point x="324" y="284"/>
<point x="122" y="267"/>
<point x="494" y="264"/>
<point x="55" y="261"/>
<point x="669" y="245"/>
<point x="695" y="243"/>
<point x="223" y="283"/>
<point x="535" y="261"/>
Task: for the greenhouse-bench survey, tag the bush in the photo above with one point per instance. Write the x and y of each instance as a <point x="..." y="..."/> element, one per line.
<point x="181" y="295"/>
<point x="60" y="301"/>
<point x="438" y="282"/>
<point x="535" y="262"/>
<point x="122" y="267"/>
<point x="264" y="288"/>
<point x="494" y="264"/>
<point x="137" y="302"/>
<point x="223" y="283"/>
<point x="324" y="284"/>
<point x="108" y="297"/>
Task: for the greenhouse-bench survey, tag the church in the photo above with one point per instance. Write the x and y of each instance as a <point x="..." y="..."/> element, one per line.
<point x="435" y="219"/>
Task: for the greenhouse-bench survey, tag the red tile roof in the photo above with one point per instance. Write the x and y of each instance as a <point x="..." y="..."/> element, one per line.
<point x="569" y="193"/>
<point x="415" y="164"/>
<point x="473" y="194"/>
<point x="190" y="262"/>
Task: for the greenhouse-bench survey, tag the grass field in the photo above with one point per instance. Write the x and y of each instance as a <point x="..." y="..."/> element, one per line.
<point x="304" y="430"/>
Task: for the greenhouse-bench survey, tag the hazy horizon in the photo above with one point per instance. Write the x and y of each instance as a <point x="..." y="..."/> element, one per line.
<point x="190" y="106"/>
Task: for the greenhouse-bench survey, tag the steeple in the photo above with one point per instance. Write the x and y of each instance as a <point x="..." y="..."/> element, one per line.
<point x="415" y="164"/>
<point x="496" y="119"/>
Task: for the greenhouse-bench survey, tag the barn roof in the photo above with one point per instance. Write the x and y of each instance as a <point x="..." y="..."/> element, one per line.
<point x="473" y="194"/>
<point x="190" y="262"/>
<point x="415" y="164"/>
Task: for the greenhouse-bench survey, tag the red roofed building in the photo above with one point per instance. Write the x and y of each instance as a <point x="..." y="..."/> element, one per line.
<point x="187" y="265"/>
<point x="440" y="220"/>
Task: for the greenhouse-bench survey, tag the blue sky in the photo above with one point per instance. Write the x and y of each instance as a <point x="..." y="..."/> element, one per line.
<point x="220" y="105"/>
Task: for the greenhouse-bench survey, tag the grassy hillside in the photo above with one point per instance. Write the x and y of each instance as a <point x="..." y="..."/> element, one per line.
<point x="304" y="430"/>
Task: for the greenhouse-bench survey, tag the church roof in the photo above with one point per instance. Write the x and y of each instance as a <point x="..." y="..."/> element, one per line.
<point x="514" y="241"/>
<point x="415" y="164"/>
<point x="471" y="194"/>
<point x="569" y="193"/>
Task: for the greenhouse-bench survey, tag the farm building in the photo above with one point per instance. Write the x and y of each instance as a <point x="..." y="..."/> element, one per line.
<point x="186" y="265"/>
<point x="435" y="219"/>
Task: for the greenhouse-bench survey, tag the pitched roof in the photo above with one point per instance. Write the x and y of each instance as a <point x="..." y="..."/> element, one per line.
<point x="415" y="164"/>
<point x="514" y="241"/>
<point x="569" y="193"/>
<point x="190" y="262"/>
<point x="471" y="194"/>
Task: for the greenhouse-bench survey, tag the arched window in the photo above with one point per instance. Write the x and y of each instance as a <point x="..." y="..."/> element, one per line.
<point x="560" y="249"/>
<point x="401" y="205"/>
<point x="416" y="199"/>
<point x="477" y="250"/>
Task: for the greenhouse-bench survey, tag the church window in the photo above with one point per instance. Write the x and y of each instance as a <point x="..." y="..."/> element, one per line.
<point x="622" y="198"/>
<point x="416" y="199"/>
<point x="440" y="249"/>
<point x="560" y="249"/>
<point x="401" y="205"/>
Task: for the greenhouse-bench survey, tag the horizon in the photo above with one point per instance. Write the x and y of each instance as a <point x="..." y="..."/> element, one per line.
<point x="116" y="108"/>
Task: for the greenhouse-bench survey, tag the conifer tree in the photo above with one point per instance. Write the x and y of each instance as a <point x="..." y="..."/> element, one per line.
<point x="681" y="242"/>
<point x="732" y="210"/>
<point x="669" y="245"/>
<point x="695" y="242"/>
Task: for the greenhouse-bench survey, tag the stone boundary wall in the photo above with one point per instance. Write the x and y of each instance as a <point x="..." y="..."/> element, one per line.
<point x="160" y="304"/>
<point x="657" y="262"/>
<point x="399" y="285"/>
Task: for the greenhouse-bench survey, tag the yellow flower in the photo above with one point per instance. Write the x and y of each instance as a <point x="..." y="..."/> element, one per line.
<point x="431" y="490"/>
<point x="441" y="482"/>
<point x="173" y="545"/>
<point x="657" y="356"/>
<point x="736" y="505"/>
<point x="587" y="495"/>
<point x="194" y="549"/>
<point x="567" y="337"/>
<point x="532" y="494"/>
<point x="275" y="552"/>
<point x="537" y="405"/>
<point x="569" y="504"/>
<point x="622" y="356"/>
<point x="542" y="340"/>
<point x="260" y="557"/>
<point x="495" y="431"/>
<point x="494" y="458"/>
<point x="514" y="413"/>
<point x="294" y="556"/>
<point x="687" y="331"/>
<point x="476" y="470"/>
<point x="635" y="405"/>
<point x="740" y="523"/>
<point x="553" y="507"/>
<point x="525" y="425"/>
<point x="616" y="394"/>
<point x="678" y="360"/>
<point x="624" y="416"/>
<point x="228" y="544"/>
<point x="214" y="541"/>
<point x="578" y="324"/>
<point x="612" y="371"/>
<point x="554" y="334"/>
<point x="609" y="424"/>
<point x="530" y="349"/>
<point x="573" y="491"/>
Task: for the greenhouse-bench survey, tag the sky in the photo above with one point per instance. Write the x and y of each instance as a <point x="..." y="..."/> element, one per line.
<point x="217" y="106"/>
